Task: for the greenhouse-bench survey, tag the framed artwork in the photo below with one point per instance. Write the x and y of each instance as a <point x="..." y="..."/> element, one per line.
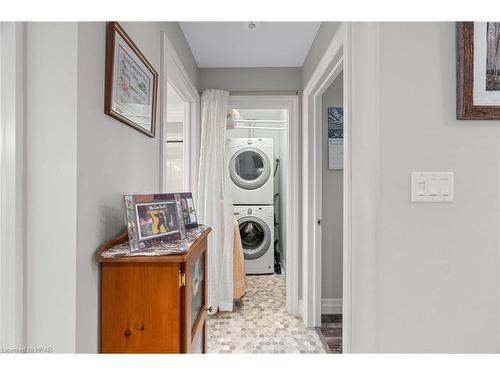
<point x="131" y="82"/>
<point x="335" y="138"/>
<point x="188" y="211"/>
<point x="153" y="218"/>
<point x="478" y="70"/>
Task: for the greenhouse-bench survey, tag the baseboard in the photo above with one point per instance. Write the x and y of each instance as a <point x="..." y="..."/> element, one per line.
<point x="331" y="306"/>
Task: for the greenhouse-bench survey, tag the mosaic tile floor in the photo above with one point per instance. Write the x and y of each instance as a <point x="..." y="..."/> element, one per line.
<point x="259" y="323"/>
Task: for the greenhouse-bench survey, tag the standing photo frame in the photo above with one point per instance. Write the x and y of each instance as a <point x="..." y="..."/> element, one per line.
<point x="131" y="82"/>
<point x="478" y="70"/>
<point x="153" y="218"/>
<point x="188" y="211"/>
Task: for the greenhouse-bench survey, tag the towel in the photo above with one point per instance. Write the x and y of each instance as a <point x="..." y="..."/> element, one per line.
<point x="239" y="283"/>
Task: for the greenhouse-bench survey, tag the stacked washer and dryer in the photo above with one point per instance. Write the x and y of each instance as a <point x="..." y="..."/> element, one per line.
<point x="251" y="171"/>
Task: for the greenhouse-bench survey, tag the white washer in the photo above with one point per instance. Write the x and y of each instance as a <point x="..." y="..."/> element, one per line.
<point x="257" y="237"/>
<point x="251" y="168"/>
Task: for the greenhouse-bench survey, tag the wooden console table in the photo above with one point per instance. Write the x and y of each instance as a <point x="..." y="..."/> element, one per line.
<point x="154" y="304"/>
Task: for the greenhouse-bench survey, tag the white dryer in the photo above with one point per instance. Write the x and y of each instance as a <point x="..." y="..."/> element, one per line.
<point x="257" y="237"/>
<point x="251" y="168"/>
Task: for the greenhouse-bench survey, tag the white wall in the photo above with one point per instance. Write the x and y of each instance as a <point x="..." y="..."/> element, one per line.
<point x="80" y="163"/>
<point x="437" y="263"/>
<point x="321" y="41"/>
<point x="51" y="194"/>
<point x="331" y="218"/>
<point x="425" y="276"/>
<point x="250" y="79"/>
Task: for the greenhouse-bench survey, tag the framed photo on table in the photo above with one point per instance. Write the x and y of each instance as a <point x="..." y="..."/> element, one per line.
<point x="188" y="211"/>
<point x="131" y="83"/>
<point x="153" y="218"/>
<point x="478" y="70"/>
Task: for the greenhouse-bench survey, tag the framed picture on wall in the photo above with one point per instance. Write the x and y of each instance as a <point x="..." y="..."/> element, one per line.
<point x="131" y="82"/>
<point x="153" y="218"/>
<point x="335" y="138"/>
<point x="478" y="70"/>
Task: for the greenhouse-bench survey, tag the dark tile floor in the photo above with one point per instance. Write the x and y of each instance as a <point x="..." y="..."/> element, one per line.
<point x="331" y="332"/>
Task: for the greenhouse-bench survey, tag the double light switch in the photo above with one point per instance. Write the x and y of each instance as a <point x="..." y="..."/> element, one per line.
<point x="432" y="187"/>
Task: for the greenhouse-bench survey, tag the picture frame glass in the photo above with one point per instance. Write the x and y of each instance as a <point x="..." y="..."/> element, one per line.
<point x="486" y="81"/>
<point x="133" y="86"/>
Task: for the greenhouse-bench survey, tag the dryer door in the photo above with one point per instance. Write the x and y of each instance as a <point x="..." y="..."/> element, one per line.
<point x="250" y="168"/>
<point x="255" y="236"/>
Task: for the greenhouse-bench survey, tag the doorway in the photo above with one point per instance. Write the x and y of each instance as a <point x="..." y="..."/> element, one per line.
<point x="332" y="214"/>
<point x="280" y="116"/>
<point x="335" y="62"/>
<point x="266" y="319"/>
<point x="180" y="130"/>
<point x="176" y="146"/>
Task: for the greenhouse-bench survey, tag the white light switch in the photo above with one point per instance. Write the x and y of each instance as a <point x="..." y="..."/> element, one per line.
<point x="431" y="187"/>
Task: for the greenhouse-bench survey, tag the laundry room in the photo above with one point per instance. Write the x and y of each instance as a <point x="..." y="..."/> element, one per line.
<point x="261" y="171"/>
<point x="256" y="146"/>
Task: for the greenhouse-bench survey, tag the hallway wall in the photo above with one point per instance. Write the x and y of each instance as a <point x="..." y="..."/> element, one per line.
<point x="321" y="42"/>
<point x="420" y="271"/>
<point x="438" y="264"/>
<point x="113" y="158"/>
<point x="51" y="185"/>
<point x="80" y="163"/>
<point x="250" y="79"/>
<point x="332" y="216"/>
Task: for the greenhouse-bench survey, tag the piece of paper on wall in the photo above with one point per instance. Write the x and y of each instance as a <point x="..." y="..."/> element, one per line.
<point x="335" y="138"/>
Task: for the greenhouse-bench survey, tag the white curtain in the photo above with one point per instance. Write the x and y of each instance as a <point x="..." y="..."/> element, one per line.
<point x="215" y="204"/>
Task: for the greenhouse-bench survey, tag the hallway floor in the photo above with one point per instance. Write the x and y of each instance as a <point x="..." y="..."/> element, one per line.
<point x="259" y="323"/>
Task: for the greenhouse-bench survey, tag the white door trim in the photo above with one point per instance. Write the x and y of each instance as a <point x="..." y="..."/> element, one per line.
<point x="292" y="185"/>
<point x="174" y="73"/>
<point x="12" y="210"/>
<point x="335" y="61"/>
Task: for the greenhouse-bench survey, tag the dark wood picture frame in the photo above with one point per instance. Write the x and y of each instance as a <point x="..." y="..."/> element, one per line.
<point x="466" y="110"/>
<point x="113" y="28"/>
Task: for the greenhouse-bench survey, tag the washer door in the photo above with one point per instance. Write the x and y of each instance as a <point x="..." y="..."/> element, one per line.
<point x="249" y="168"/>
<point x="255" y="237"/>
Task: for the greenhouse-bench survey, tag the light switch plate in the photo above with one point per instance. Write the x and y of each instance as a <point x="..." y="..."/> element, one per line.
<point x="432" y="187"/>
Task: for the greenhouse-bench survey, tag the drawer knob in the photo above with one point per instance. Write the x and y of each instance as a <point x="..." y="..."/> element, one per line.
<point x="127" y="333"/>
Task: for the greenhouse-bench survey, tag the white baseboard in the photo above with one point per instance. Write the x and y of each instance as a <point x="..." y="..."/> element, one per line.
<point x="331" y="306"/>
<point x="328" y="306"/>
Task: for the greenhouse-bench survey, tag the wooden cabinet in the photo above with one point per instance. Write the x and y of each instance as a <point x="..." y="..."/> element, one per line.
<point x="154" y="304"/>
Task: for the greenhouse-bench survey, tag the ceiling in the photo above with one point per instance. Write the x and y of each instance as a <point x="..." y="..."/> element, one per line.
<point x="234" y="44"/>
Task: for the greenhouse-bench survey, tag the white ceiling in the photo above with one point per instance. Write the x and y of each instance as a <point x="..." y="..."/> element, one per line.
<point x="233" y="44"/>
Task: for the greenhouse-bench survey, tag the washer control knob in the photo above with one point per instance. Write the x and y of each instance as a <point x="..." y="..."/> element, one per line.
<point x="249" y="141"/>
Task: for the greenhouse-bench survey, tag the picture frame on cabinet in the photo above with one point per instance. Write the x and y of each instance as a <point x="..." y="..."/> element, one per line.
<point x="153" y="218"/>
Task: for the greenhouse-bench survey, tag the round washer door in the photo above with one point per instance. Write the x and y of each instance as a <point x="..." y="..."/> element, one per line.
<point x="255" y="236"/>
<point x="249" y="168"/>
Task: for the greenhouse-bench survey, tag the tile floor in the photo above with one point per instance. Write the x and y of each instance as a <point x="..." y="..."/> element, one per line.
<point x="259" y="323"/>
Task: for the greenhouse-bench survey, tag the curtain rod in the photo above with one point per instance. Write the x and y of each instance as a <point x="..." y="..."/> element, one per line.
<point x="288" y="92"/>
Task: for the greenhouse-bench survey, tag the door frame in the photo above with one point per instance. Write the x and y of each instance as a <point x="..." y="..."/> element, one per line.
<point x="292" y="184"/>
<point x="335" y="61"/>
<point x="174" y="73"/>
<point x="12" y="188"/>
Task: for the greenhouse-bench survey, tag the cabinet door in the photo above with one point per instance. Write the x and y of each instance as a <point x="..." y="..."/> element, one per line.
<point x="195" y="301"/>
<point x="140" y="305"/>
